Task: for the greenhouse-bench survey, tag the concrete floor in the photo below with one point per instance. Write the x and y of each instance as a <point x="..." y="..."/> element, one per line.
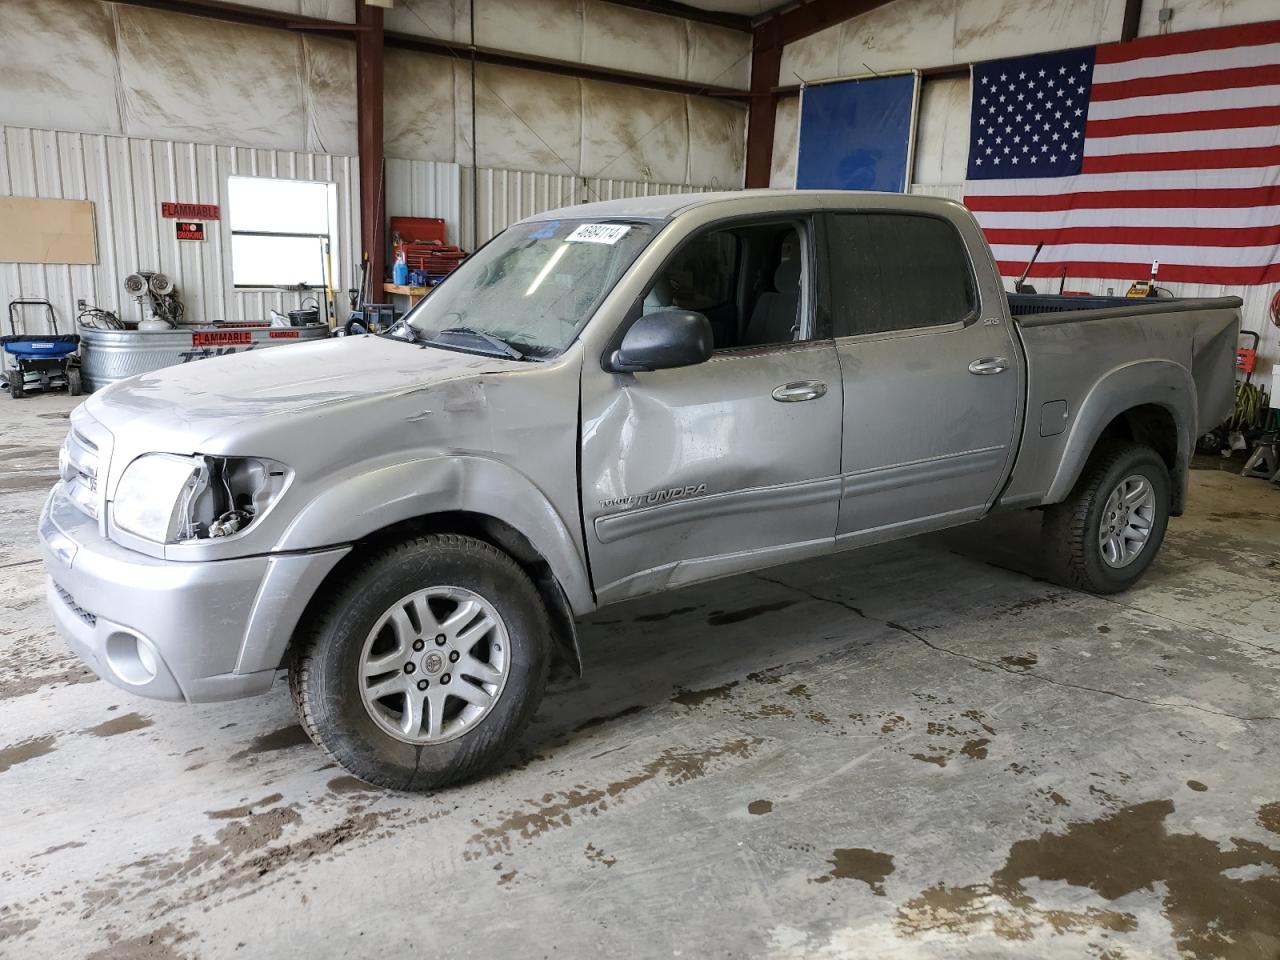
<point x="919" y="750"/>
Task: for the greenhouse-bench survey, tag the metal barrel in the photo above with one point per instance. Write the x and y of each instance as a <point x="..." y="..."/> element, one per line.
<point x="111" y="355"/>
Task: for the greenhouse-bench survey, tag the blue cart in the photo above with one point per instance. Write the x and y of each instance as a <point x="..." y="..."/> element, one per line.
<point x="41" y="363"/>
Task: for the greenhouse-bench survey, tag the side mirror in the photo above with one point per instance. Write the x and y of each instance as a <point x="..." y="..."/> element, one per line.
<point x="663" y="340"/>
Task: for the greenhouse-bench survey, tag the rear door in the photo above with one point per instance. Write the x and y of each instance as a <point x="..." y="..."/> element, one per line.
<point x="932" y="377"/>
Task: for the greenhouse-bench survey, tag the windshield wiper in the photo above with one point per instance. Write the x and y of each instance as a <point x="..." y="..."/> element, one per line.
<point x="497" y="343"/>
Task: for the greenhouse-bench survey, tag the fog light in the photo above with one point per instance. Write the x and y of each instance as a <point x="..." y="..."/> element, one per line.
<point x="131" y="658"/>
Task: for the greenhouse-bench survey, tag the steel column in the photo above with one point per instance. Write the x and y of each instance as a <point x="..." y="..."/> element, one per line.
<point x="369" y="49"/>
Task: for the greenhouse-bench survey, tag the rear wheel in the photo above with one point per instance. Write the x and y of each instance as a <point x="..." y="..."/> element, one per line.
<point x="1107" y="532"/>
<point x="427" y="666"/>
<point x="15" y="384"/>
<point x="74" y="386"/>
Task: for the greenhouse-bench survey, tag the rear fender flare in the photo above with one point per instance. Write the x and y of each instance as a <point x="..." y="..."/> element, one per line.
<point x="1161" y="383"/>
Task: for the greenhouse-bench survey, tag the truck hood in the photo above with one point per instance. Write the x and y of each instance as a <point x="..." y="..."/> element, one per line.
<point x="222" y="402"/>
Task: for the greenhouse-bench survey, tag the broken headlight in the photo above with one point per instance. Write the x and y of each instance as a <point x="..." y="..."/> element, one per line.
<point x="166" y="498"/>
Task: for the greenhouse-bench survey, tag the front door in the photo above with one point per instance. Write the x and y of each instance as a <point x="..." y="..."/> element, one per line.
<point x="931" y="376"/>
<point x="701" y="471"/>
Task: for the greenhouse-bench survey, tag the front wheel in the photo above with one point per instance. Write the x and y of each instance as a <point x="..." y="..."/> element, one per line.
<point x="427" y="666"/>
<point x="1107" y="532"/>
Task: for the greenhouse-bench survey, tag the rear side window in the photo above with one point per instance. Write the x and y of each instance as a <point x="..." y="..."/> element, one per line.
<point x="891" y="271"/>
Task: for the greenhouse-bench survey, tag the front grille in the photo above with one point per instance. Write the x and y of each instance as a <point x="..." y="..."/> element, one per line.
<point x="78" y="610"/>
<point x="82" y="467"/>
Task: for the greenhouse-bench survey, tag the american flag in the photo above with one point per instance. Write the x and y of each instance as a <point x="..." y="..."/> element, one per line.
<point x="1163" y="149"/>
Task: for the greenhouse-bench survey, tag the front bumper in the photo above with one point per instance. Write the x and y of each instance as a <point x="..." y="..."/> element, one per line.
<point x="173" y="630"/>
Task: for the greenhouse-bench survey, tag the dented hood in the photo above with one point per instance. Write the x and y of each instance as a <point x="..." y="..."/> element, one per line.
<point x="218" y="404"/>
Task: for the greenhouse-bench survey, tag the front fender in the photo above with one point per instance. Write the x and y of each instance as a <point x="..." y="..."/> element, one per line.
<point x="1161" y="383"/>
<point x="361" y="505"/>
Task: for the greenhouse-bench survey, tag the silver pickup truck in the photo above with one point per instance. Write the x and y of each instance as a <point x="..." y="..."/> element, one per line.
<point x="605" y="401"/>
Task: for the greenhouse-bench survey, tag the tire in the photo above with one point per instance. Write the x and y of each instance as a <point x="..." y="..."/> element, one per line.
<point x="74" y="384"/>
<point x="337" y="668"/>
<point x="15" y="384"/>
<point x="1075" y="547"/>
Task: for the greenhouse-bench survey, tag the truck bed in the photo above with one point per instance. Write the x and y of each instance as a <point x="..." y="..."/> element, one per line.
<point x="1086" y="355"/>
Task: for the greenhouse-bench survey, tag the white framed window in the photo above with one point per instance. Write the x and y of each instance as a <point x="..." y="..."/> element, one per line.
<point x="279" y="229"/>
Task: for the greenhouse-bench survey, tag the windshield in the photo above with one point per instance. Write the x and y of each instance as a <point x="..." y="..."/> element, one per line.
<point x="533" y="287"/>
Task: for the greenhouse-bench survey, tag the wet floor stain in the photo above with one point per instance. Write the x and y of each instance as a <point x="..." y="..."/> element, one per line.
<point x="665" y="615"/>
<point x="608" y="718"/>
<point x="232" y="813"/>
<point x="596" y="855"/>
<point x="722" y="618"/>
<point x="348" y="784"/>
<point x="123" y="724"/>
<point x="159" y="944"/>
<point x="283" y="739"/>
<point x="1103" y="628"/>
<point x="858" y="863"/>
<point x="760" y="807"/>
<point x="25" y="750"/>
<point x="695" y="698"/>
<point x="69" y="845"/>
<point x="1197" y="786"/>
<point x="1022" y="662"/>
<point x="1212" y="913"/>
<point x="1269" y="817"/>
<point x="554" y="811"/>
<point x="975" y="749"/>
<point x="935" y="759"/>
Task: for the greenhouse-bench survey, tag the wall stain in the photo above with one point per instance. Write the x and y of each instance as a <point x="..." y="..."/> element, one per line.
<point x="282" y="739"/>
<point x="25" y="750"/>
<point x="122" y="724"/>
<point x="556" y="810"/>
<point x="858" y="863"/>
<point x="1212" y="915"/>
<point x="760" y="807"/>
<point x="695" y="698"/>
<point x="721" y="618"/>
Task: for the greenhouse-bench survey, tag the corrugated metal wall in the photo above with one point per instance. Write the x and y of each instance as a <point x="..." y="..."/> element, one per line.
<point x="127" y="178"/>
<point x="423" y="188"/>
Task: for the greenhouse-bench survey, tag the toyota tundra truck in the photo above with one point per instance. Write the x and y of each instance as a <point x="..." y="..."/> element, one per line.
<point x="605" y="401"/>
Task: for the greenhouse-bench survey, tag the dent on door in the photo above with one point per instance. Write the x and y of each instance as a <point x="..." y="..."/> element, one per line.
<point x="705" y="461"/>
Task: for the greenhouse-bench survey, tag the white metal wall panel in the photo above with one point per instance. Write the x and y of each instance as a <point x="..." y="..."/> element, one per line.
<point x="786" y="143"/>
<point x="942" y="131"/>
<point x="505" y="196"/>
<point x="127" y="178"/>
<point x="422" y="188"/>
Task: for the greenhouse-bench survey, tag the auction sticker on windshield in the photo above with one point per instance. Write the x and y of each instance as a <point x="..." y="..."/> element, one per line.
<point x="609" y="233"/>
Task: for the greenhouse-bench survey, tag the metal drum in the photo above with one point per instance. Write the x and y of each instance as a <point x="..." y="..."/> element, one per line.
<point x="111" y="355"/>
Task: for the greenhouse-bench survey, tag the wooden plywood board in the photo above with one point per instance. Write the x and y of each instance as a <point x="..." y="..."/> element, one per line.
<point x="37" y="230"/>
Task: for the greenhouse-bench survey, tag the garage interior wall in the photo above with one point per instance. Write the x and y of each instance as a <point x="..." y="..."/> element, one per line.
<point x="129" y="106"/>
<point x="931" y="34"/>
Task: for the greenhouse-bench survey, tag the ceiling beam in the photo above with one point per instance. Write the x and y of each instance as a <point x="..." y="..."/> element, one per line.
<point x="672" y="8"/>
<point x="252" y="16"/>
<point x="568" y="68"/>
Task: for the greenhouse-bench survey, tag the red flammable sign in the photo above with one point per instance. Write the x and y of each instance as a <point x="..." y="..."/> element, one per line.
<point x="220" y="338"/>
<point x="189" y="211"/>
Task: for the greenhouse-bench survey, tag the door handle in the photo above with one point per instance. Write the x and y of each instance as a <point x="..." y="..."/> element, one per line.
<point x="799" y="390"/>
<point x="989" y="365"/>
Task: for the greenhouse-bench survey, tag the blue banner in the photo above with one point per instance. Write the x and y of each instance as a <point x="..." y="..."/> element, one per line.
<point x="855" y="134"/>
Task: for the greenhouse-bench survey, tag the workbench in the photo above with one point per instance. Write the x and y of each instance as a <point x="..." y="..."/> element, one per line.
<point x="403" y="290"/>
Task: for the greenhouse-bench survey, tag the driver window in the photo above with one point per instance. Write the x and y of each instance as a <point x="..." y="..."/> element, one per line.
<point x="746" y="280"/>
